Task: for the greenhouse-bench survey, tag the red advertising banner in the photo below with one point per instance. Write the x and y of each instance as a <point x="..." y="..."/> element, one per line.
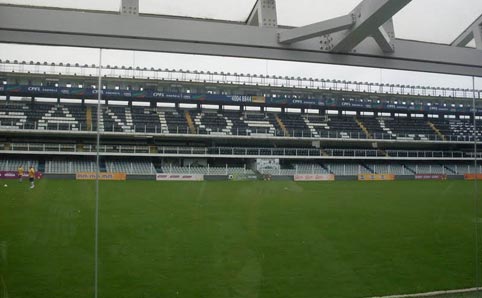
<point x="14" y="175"/>
<point x="473" y="176"/>
<point x="431" y="177"/>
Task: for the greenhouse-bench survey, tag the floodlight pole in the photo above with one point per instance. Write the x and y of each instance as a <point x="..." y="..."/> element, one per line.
<point x="96" y="227"/>
<point x="476" y="204"/>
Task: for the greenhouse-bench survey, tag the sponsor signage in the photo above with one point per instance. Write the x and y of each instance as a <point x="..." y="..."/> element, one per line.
<point x="267" y="164"/>
<point x="431" y="177"/>
<point x="315" y="177"/>
<point x="29" y="90"/>
<point x="242" y="177"/>
<point x="376" y="177"/>
<point x="473" y="176"/>
<point x="14" y="175"/>
<point x="259" y="99"/>
<point x="179" y="177"/>
<point x="102" y="176"/>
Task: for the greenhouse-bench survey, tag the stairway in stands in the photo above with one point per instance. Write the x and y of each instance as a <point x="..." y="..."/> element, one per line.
<point x="88" y="118"/>
<point x="326" y="168"/>
<point x="158" y="166"/>
<point x="282" y="125"/>
<point x="363" y="128"/>
<point x="190" y="123"/>
<point x="41" y="166"/>
<point x="436" y="130"/>
<point x="449" y="170"/>
<point x="368" y="168"/>
<point x="409" y="169"/>
<point x="102" y="166"/>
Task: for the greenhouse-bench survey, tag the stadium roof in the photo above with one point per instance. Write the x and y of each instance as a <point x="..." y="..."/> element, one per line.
<point x="425" y="35"/>
<point x="439" y="21"/>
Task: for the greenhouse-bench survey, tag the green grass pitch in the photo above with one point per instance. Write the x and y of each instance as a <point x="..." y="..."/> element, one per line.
<point x="237" y="239"/>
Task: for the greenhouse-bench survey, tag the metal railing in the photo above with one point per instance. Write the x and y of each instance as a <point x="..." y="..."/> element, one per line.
<point x="254" y="132"/>
<point x="237" y="151"/>
<point x="229" y="78"/>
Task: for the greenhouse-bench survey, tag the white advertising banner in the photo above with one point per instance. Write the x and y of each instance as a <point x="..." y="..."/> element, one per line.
<point x="315" y="177"/>
<point x="267" y="164"/>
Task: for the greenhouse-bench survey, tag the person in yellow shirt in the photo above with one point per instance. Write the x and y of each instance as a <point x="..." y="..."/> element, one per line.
<point x="20" y="173"/>
<point x="31" y="176"/>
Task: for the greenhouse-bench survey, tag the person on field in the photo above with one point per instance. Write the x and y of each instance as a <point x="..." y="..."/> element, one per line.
<point x="20" y="172"/>
<point x="31" y="177"/>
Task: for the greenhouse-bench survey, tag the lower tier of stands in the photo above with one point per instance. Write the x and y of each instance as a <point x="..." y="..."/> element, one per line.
<point x="147" y="167"/>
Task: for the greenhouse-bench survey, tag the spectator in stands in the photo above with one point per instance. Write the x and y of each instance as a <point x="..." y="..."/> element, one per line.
<point x="20" y="171"/>
<point x="31" y="177"/>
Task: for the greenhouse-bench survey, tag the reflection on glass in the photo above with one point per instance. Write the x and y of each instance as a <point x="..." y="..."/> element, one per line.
<point x="287" y="189"/>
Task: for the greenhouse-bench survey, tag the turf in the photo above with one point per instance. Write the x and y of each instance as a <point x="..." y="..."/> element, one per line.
<point x="237" y="239"/>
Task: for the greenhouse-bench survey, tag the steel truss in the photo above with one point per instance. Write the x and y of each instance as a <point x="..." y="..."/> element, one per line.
<point x="367" y="39"/>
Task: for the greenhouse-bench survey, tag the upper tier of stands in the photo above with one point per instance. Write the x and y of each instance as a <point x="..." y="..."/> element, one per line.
<point x="75" y="117"/>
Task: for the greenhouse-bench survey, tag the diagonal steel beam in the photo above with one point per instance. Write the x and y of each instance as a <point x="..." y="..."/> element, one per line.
<point x="478" y="37"/>
<point x="263" y="14"/>
<point x="468" y="34"/>
<point x="383" y="40"/>
<point x="384" y="37"/>
<point x="370" y="16"/>
<point x="317" y="29"/>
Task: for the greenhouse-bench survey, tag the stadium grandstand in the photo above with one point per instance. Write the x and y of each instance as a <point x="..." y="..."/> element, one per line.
<point x="255" y="148"/>
<point x="178" y="122"/>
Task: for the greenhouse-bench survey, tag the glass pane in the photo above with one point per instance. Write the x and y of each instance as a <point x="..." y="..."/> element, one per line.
<point x="245" y="221"/>
<point x="46" y="217"/>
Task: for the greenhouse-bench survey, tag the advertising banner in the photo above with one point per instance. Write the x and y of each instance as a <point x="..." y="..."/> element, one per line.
<point x="259" y="99"/>
<point x="102" y="176"/>
<point x="242" y="177"/>
<point x="179" y="177"/>
<point x="315" y="177"/>
<point x="49" y="91"/>
<point x="376" y="177"/>
<point x="14" y="175"/>
<point x="267" y="164"/>
<point x="430" y="177"/>
<point x="473" y="176"/>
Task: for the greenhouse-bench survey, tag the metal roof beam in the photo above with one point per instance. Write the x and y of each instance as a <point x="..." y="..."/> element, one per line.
<point x="317" y="29"/>
<point x="263" y="14"/>
<point x="383" y="40"/>
<point x="385" y="37"/>
<point x="129" y="7"/>
<point x="60" y="27"/>
<point x="370" y="16"/>
<point x="472" y="32"/>
<point x="478" y="37"/>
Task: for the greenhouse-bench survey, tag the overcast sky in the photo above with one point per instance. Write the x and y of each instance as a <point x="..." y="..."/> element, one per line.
<point x="430" y="20"/>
